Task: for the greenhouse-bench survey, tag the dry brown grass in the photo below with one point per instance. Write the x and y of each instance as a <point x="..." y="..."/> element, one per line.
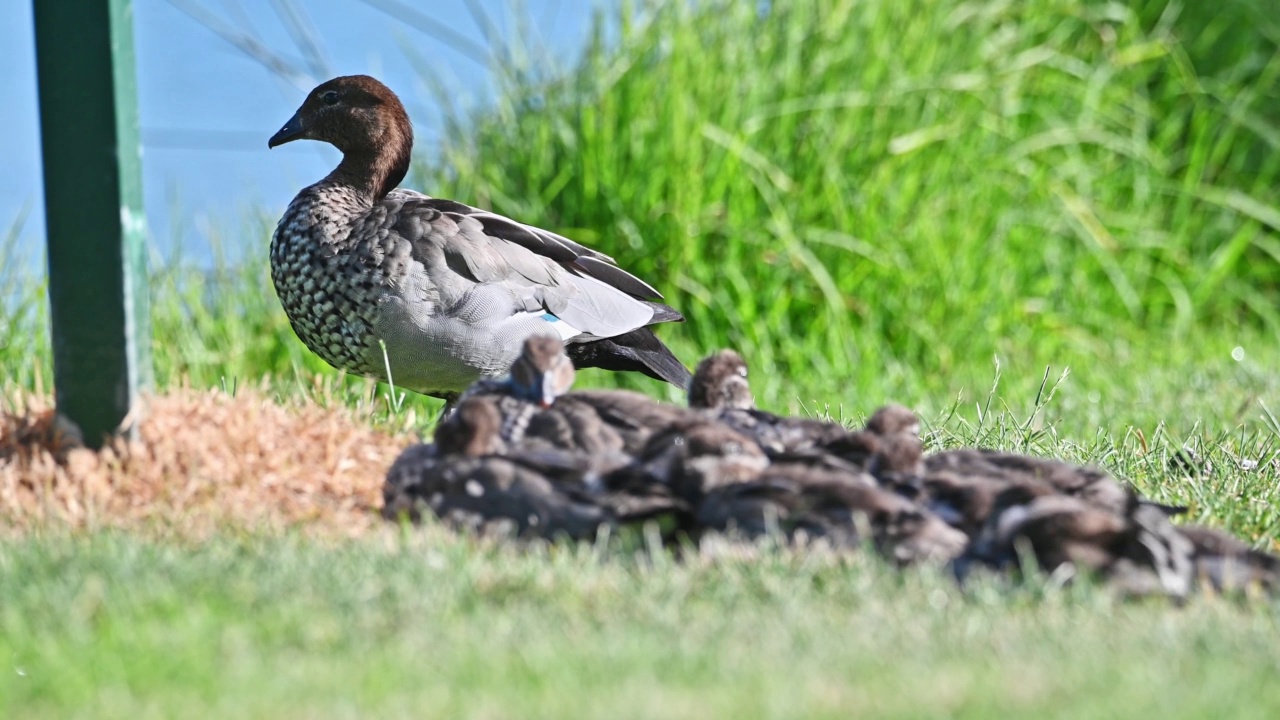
<point x="205" y="460"/>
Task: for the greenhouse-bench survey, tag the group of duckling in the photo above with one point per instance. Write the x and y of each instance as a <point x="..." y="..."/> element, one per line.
<point x="528" y="457"/>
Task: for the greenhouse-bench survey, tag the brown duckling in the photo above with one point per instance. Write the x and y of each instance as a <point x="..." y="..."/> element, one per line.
<point x="964" y="501"/>
<point x="720" y="390"/>
<point x="697" y="455"/>
<point x="619" y="418"/>
<point x="1227" y="564"/>
<point x="1138" y="551"/>
<point x="1088" y="483"/>
<point x="892" y="419"/>
<point x="539" y="410"/>
<point x="530" y="493"/>
<point x="540" y="373"/>
<point x="410" y="478"/>
<point x="898" y="457"/>
<point x="800" y="503"/>
<point x="720" y="382"/>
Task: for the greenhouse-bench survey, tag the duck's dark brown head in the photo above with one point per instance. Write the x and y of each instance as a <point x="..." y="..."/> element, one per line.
<point x="720" y="381"/>
<point x="365" y="120"/>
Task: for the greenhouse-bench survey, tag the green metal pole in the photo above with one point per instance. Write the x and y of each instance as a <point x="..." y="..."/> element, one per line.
<point x="93" y="209"/>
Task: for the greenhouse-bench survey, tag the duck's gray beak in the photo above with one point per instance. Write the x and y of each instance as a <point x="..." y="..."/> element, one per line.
<point x="291" y="131"/>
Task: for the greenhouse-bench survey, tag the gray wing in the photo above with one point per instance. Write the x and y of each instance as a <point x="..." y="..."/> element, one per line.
<point x="480" y="262"/>
<point x="578" y="258"/>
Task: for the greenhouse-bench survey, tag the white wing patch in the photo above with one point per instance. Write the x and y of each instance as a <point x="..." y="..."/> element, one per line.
<point x="564" y="329"/>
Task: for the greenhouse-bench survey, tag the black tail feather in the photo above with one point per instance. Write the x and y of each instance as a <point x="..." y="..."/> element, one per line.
<point x="636" y="351"/>
<point x="663" y="313"/>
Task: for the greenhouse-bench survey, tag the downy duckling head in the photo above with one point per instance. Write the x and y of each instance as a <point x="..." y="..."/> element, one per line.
<point x="543" y="372"/>
<point x="720" y="382"/>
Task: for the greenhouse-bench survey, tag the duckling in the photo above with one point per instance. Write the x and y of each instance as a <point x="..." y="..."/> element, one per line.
<point x="475" y="429"/>
<point x="696" y="455"/>
<point x="893" y="419"/>
<point x="898" y="457"/>
<point x="963" y="501"/>
<point x="1137" y="551"/>
<point x="407" y="482"/>
<point x="417" y="474"/>
<point x="777" y="507"/>
<point x="539" y="410"/>
<point x="1227" y="564"/>
<point x="463" y="480"/>
<point x="1089" y="483"/>
<point x="920" y="536"/>
<point x="541" y="372"/>
<point x="720" y="390"/>
<point x="618" y="417"/>
<point x="720" y="382"/>
<point x="801" y="504"/>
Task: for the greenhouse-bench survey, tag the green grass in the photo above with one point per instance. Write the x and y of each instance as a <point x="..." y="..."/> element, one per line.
<point x="112" y="626"/>
<point x="873" y="200"/>
<point x="423" y="622"/>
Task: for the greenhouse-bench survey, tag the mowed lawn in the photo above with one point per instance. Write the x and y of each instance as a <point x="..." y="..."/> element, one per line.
<point x="944" y="204"/>
<point x="111" y="625"/>
<point x="156" y="621"/>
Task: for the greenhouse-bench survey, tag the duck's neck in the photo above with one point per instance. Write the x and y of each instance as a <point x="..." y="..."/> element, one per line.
<point x="375" y="171"/>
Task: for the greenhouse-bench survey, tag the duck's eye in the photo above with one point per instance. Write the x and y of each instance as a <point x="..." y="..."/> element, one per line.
<point x="330" y="98"/>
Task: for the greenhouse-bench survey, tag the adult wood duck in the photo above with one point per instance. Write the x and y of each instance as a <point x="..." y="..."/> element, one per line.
<point x="374" y="276"/>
